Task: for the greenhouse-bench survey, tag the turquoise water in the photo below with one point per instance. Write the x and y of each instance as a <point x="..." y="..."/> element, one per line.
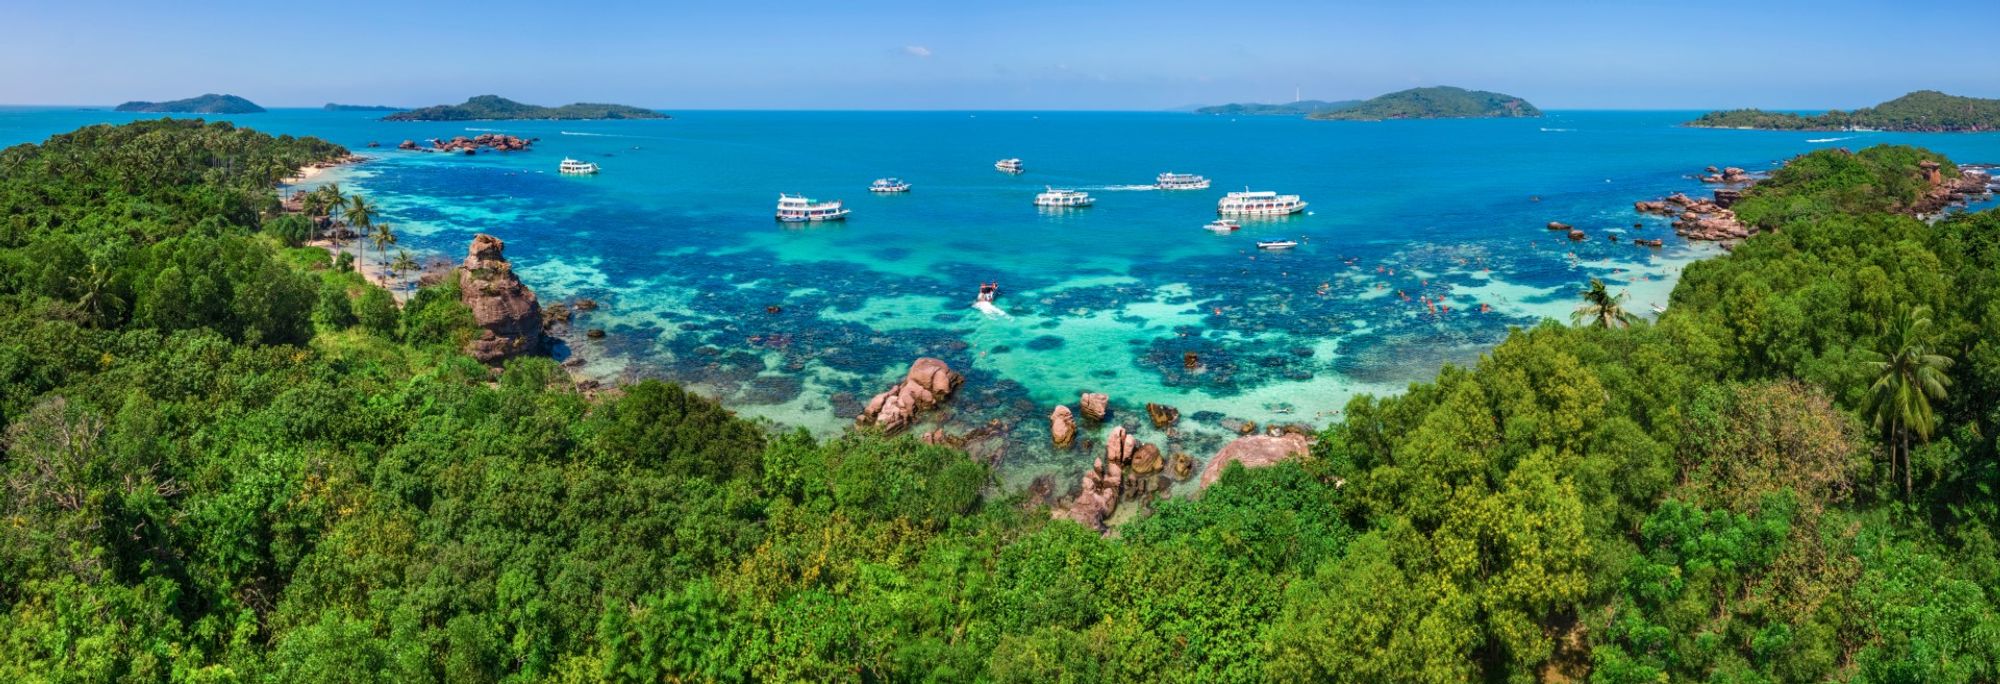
<point x="675" y="237"/>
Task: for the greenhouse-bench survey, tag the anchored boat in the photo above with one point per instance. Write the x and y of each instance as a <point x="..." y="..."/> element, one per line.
<point x="802" y="209"/>
<point x="1223" y="226"/>
<point x="575" y="167"/>
<point x="1063" y="198"/>
<point x="1277" y="244"/>
<point x="1010" y="165"/>
<point x="1259" y="203"/>
<point x="889" y="185"/>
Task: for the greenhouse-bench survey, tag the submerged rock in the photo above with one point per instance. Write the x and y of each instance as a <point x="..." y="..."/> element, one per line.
<point x="508" y="315"/>
<point x="1162" y="415"/>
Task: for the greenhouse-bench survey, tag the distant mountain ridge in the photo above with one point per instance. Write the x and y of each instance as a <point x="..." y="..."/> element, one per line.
<point x="494" y="107"/>
<point x="1923" y="111"/>
<point x="1439" y="102"/>
<point x="336" y="107"/>
<point x="210" y="103"/>
<point x="1299" y="108"/>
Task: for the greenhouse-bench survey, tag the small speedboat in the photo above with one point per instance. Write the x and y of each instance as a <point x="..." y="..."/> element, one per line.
<point x="1223" y="226"/>
<point x="889" y="185"/>
<point x="1277" y="244"/>
<point x="987" y="291"/>
<point x="1010" y="165"/>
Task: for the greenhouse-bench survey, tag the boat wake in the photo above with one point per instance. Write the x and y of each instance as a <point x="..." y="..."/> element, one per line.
<point x="1558" y="130"/>
<point x="989" y="309"/>
<point x="1122" y="188"/>
<point x="594" y="135"/>
<point x="485" y="130"/>
<point x="1828" y="140"/>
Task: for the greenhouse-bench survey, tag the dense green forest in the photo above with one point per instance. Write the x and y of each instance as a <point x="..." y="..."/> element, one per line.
<point x="201" y="104"/>
<point x="222" y="464"/>
<point x="1441" y="102"/>
<point x="1921" y="111"/>
<point x="494" y="107"/>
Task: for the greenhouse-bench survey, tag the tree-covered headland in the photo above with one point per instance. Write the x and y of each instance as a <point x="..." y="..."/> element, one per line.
<point x="1922" y="111"/>
<point x="223" y="463"/>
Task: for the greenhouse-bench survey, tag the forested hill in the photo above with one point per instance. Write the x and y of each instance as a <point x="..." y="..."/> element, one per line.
<point x="1299" y="108"/>
<point x="1926" y="111"/>
<point x="494" y="107"/>
<point x="1443" y="102"/>
<point x="228" y="459"/>
<point x="201" y="104"/>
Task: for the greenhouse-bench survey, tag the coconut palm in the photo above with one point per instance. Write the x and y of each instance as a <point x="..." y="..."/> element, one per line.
<point x="383" y="236"/>
<point x="97" y="297"/>
<point x="404" y="263"/>
<point x="1908" y="377"/>
<point x="1601" y="308"/>
<point x="360" y="215"/>
<point x="313" y="203"/>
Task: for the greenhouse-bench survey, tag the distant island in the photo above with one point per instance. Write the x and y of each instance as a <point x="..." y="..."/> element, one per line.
<point x="494" y="107"/>
<point x="1924" y="111"/>
<point x="336" y="107"/>
<point x="1299" y="108"/>
<point x="1441" y="102"/>
<point x="206" y="104"/>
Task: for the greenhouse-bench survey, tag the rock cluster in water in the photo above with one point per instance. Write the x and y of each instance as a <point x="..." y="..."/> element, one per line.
<point x="1062" y="427"/>
<point x="498" y="142"/>
<point x="928" y="383"/>
<point x="509" y="317"/>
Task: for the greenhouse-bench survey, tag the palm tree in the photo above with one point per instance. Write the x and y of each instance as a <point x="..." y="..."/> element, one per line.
<point x="383" y="236"/>
<point x="404" y="263"/>
<point x="313" y="203"/>
<point x="1907" y="378"/>
<point x="361" y="215"/>
<point x="1602" y="309"/>
<point x="95" y="295"/>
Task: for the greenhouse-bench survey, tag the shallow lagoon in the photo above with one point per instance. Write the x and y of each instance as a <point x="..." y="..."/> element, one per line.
<point x="675" y="238"/>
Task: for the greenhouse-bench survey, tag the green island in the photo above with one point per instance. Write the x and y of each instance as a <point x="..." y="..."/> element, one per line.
<point x="203" y="104"/>
<point x="228" y="458"/>
<point x="337" y="107"/>
<point x="1441" y="102"/>
<point x="1923" y="111"/>
<point x="496" y="108"/>
<point x="1299" y="108"/>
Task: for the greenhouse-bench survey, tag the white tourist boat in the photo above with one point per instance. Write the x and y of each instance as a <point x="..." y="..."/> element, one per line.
<point x="1010" y="165"/>
<point x="1223" y="226"/>
<point x="1259" y="203"/>
<point x="1063" y="198"/>
<point x="802" y="209"/>
<point x="575" y="167"/>
<point x="889" y="185"/>
<point x="1277" y="244"/>
<point x="1180" y="181"/>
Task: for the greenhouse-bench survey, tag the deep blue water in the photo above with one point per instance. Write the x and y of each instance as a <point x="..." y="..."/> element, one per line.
<point x="676" y="238"/>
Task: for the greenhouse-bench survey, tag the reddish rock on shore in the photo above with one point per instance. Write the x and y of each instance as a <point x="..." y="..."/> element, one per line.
<point x="1256" y="451"/>
<point x="1062" y="427"/>
<point x="928" y="383"/>
<point x="509" y="317"/>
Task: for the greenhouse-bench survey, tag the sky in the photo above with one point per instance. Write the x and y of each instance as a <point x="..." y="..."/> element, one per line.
<point x="1017" y="54"/>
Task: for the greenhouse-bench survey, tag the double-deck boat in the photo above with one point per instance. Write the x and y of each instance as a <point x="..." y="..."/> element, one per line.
<point x="1259" y="203"/>
<point x="1223" y="226"/>
<point x="1010" y="165"/>
<point x="1277" y="244"/>
<point x="575" y="167"/>
<point x="889" y="185"/>
<point x="1180" y="181"/>
<point x="1063" y="198"/>
<point x="802" y="209"/>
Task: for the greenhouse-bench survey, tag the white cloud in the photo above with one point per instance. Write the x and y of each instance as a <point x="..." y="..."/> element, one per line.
<point x="917" y="51"/>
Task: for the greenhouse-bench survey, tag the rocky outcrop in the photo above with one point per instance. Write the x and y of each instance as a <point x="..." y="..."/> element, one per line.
<point x="1162" y="415"/>
<point x="1094" y="405"/>
<point x="499" y="142"/>
<point x="1558" y="225"/>
<point x="509" y="317"/>
<point x="1256" y="451"/>
<point x="1062" y="427"/>
<point x="407" y="145"/>
<point x="1729" y="176"/>
<point x="928" y="383"/>
<point x="1147" y="460"/>
<point x="1698" y="219"/>
<point x="1945" y="192"/>
<point x="1103" y="484"/>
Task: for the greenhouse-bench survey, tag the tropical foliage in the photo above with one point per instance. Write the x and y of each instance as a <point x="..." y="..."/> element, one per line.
<point x="1441" y="102"/>
<point x="1923" y="110"/>
<point x="494" y="107"/>
<point x="226" y="460"/>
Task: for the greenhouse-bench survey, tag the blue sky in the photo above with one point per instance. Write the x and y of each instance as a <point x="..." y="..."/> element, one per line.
<point x="1019" y="54"/>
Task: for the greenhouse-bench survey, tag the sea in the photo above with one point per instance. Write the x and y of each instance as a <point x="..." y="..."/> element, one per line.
<point x="1424" y="242"/>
